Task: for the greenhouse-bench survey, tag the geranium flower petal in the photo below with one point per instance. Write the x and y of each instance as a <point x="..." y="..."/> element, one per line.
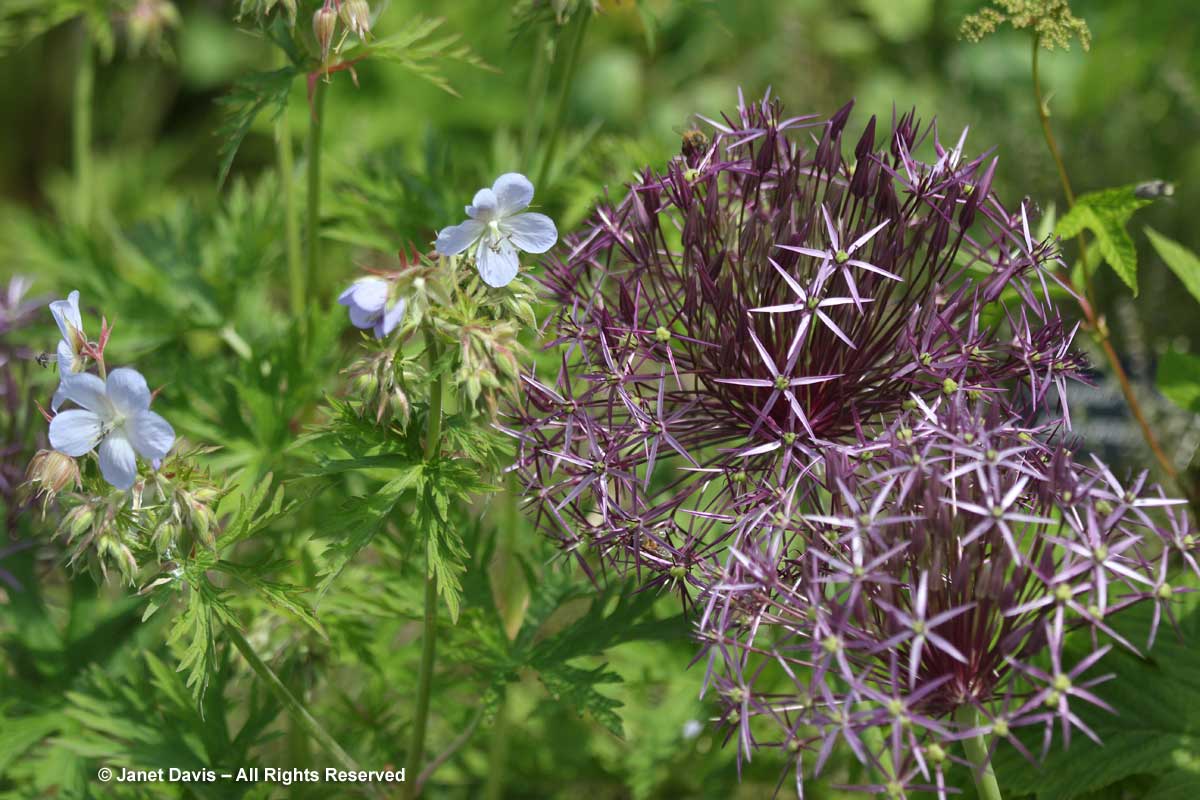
<point x="497" y="263"/>
<point x="531" y="232"/>
<point x="150" y="434"/>
<point x="118" y="463"/>
<point x="75" y="432"/>
<point x="66" y="314"/>
<point x="87" y="390"/>
<point x="127" y="390"/>
<point x="457" y="238"/>
<point x="513" y="193"/>
<point x="483" y="206"/>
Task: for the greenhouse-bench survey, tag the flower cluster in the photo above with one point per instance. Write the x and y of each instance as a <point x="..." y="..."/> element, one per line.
<point x="762" y="300"/>
<point x="113" y="415"/>
<point x="824" y="401"/>
<point x="439" y="293"/>
<point x="918" y="581"/>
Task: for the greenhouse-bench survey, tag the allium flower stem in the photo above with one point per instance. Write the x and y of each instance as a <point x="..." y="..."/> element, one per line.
<point x="1088" y="307"/>
<point x="433" y="443"/>
<point x="564" y="94"/>
<point x="291" y="226"/>
<point x="81" y="121"/>
<point x="294" y="707"/>
<point x="977" y="753"/>
<point x="313" y="219"/>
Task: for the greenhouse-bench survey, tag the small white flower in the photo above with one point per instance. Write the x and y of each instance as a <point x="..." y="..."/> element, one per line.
<point x="116" y="416"/>
<point x="70" y="362"/>
<point x="367" y="299"/>
<point x="497" y="229"/>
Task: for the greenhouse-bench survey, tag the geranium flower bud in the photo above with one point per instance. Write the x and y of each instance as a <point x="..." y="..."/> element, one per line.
<point x="324" y="26"/>
<point x="51" y="472"/>
<point x="356" y="15"/>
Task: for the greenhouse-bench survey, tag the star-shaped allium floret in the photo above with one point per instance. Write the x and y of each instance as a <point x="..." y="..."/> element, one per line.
<point x="918" y="628"/>
<point x="1129" y="499"/>
<point x="781" y="386"/>
<point x="998" y="514"/>
<point x="809" y="303"/>
<point x="657" y="428"/>
<point x="843" y="256"/>
<point x="840" y="717"/>
<point x="1101" y="553"/>
<point x="1058" y="687"/>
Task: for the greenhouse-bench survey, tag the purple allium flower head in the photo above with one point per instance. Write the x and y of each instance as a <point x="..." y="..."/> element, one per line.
<point x="760" y="300"/>
<point x="804" y="393"/>
<point x="935" y="566"/>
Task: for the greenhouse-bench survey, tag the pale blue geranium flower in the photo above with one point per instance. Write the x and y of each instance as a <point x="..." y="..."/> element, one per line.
<point x="367" y="299"/>
<point x="115" y="416"/>
<point x="70" y="359"/>
<point x="497" y="229"/>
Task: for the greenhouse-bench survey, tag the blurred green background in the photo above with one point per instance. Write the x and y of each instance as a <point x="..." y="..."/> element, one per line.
<point x="193" y="274"/>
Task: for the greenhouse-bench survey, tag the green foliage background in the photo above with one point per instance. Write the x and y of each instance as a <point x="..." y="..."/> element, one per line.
<point x="193" y="277"/>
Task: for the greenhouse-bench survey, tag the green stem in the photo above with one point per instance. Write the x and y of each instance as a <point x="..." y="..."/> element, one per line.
<point x="433" y="437"/>
<point x="976" y="748"/>
<point x="498" y="753"/>
<point x="294" y="707"/>
<point x="564" y="93"/>
<point x="291" y="220"/>
<point x="538" y="79"/>
<point x="81" y="139"/>
<point x="313" y="218"/>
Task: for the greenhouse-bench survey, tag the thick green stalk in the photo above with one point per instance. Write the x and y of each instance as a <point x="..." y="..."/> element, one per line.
<point x="977" y="754"/>
<point x="564" y="92"/>
<point x="291" y="220"/>
<point x="81" y="123"/>
<point x="433" y="442"/>
<point x="294" y="707"/>
<point x="313" y="217"/>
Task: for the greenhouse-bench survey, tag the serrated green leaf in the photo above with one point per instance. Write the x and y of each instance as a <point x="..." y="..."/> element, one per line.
<point x="250" y="96"/>
<point x="1105" y="214"/>
<point x="415" y="51"/>
<point x="1179" y="379"/>
<point x="1182" y="261"/>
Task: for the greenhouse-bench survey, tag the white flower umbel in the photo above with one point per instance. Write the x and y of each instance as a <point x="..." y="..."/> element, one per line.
<point x="115" y="416"/>
<point x="367" y="299"/>
<point x="70" y="360"/>
<point x="497" y="229"/>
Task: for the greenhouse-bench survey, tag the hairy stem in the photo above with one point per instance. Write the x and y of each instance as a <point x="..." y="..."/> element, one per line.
<point x="433" y="437"/>
<point x="294" y="707"/>
<point x="564" y="92"/>
<point x="291" y="221"/>
<point x="313" y="218"/>
<point x="81" y="123"/>
<point x="976" y="748"/>
<point x="1087" y="304"/>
